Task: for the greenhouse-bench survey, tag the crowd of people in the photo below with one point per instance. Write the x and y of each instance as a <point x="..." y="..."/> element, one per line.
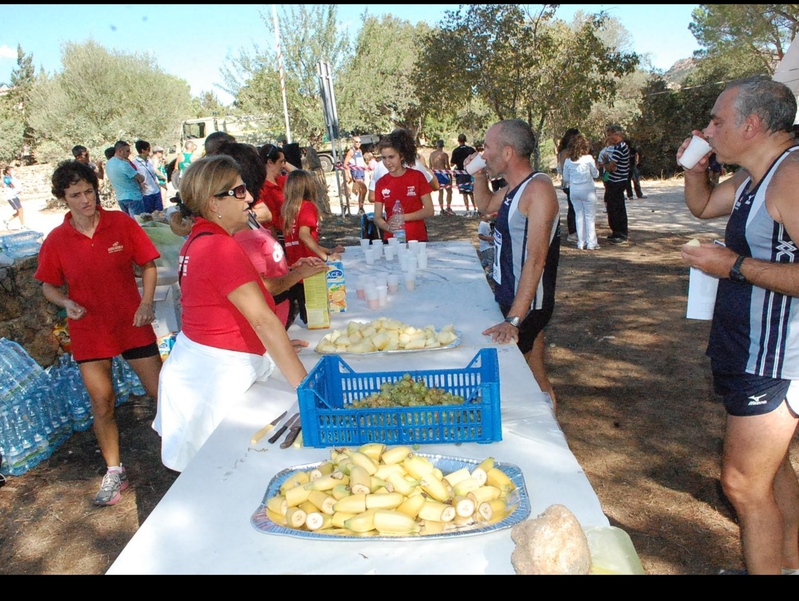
<point x="252" y="222"/>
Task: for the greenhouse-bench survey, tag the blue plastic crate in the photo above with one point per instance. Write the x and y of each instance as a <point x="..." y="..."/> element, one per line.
<point x="332" y="386"/>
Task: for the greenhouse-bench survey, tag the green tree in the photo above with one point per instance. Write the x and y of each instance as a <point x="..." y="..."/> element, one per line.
<point x="100" y="97"/>
<point x="754" y="37"/>
<point x="207" y="105"/>
<point x="22" y="80"/>
<point x="376" y="91"/>
<point x="308" y="33"/>
<point x="521" y="64"/>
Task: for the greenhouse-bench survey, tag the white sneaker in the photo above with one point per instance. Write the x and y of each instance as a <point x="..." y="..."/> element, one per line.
<point x="571" y="238"/>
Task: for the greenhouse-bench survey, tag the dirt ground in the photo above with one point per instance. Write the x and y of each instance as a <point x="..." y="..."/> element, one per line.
<point x="634" y="399"/>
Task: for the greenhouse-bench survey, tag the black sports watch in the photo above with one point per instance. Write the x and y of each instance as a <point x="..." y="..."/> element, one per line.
<point x="514" y="321"/>
<point x="735" y="272"/>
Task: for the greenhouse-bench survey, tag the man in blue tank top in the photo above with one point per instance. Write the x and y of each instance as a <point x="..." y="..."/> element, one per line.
<point x="526" y="241"/>
<point x="754" y="338"/>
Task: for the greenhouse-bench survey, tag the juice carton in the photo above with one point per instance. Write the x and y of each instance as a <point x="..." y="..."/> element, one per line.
<point x="336" y="287"/>
<point x="316" y="301"/>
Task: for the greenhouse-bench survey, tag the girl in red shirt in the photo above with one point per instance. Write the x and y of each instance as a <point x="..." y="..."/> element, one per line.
<point x="301" y="219"/>
<point x="301" y="228"/>
<point x="271" y="193"/>
<point x="402" y="183"/>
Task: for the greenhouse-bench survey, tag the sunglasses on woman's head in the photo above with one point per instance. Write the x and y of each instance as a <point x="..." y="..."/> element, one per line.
<point x="239" y="192"/>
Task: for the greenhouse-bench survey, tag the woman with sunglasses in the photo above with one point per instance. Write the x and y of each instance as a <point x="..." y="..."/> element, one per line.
<point x="231" y="336"/>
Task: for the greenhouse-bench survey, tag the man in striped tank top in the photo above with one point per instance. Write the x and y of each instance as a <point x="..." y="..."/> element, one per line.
<point x="617" y="164"/>
<point x="754" y="338"/>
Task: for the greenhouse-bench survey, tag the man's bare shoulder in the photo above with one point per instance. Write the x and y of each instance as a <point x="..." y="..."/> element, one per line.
<point x="540" y="196"/>
<point x="781" y="192"/>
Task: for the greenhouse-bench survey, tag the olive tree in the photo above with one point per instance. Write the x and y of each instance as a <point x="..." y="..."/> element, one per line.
<point x="102" y="96"/>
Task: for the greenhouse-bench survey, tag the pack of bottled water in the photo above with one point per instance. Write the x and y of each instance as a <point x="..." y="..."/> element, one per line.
<point x="21" y="244"/>
<point x="41" y="408"/>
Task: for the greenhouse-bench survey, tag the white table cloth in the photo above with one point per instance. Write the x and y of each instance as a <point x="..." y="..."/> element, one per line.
<point x="202" y="525"/>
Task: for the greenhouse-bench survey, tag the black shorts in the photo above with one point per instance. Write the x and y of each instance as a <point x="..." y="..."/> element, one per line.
<point x="745" y="394"/>
<point x="140" y="352"/>
<point x="531" y="326"/>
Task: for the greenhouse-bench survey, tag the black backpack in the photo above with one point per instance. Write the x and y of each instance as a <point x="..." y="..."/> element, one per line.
<point x="369" y="231"/>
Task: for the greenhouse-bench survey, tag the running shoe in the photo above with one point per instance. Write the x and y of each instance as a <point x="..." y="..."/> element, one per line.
<point x="111" y="488"/>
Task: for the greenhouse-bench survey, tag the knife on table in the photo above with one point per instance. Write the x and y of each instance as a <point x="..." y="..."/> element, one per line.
<point x="260" y="433"/>
<point x="294" y="431"/>
<point x="281" y="427"/>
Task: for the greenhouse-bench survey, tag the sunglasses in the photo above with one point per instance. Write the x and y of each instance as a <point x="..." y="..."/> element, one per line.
<point x="239" y="192"/>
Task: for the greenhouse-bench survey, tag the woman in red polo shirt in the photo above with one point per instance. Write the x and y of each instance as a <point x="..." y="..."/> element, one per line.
<point x="402" y="183"/>
<point x="229" y="322"/>
<point x="271" y="194"/>
<point x="92" y="253"/>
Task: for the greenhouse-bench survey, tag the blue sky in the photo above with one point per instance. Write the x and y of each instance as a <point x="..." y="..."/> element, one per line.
<point x="194" y="41"/>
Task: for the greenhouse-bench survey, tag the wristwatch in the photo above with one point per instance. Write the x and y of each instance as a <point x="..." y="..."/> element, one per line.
<point x="735" y="272"/>
<point x="514" y="321"/>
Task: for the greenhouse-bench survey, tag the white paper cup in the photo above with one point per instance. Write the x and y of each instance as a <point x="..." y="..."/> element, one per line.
<point x="393" y="282"/>
<point x="476" y="164"/>
<point x="413" y="246"/>
<point x="389" y="250"/>
<point x="410" y="280"/>
<point x="370" y="257"/>
<point x="695" y="151"/>
<point x="365" y="242"/>
<point x="393" y="242"/>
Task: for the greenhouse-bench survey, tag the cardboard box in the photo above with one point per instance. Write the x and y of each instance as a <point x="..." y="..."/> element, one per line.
<point x="317" y="305"/>
<point x="336" y="287"/>
<point x="167" y="310"/>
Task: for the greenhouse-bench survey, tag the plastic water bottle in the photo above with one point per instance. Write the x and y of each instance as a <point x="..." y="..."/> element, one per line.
<point x="398" y="222"/>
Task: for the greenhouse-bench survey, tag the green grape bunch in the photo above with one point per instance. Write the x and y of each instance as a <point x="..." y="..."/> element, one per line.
<point x="407" y="392"/>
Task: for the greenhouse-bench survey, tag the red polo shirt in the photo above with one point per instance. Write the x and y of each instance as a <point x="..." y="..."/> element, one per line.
<point x="99" y="274"/>
<point x="211" y="268"/>
<point x="408" y="188"/>
<point x="307" y="216"/>
<point x="272" y="196"/>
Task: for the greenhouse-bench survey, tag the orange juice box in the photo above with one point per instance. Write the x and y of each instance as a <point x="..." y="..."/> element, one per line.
<point x="316" y="301"/>
<point x="336" y="287"/>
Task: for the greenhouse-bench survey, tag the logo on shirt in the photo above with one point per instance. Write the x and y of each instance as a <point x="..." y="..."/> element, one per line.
<point x="385" y="192"/>
<point x="115" y="248"/>
<point x="411" y="191"/>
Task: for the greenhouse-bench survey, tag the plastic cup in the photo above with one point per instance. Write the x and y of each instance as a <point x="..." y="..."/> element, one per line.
<point x="413" y="246"/>
<point x="377" y="250"/>
<point x="370" y="257"/>
<point x="422" y="260"/>
<point x="372" y="298"/>
<point x="393" y="242"/>
<point x="365" y="242"/>
<point x="393" y="282"/>
<point x="410" y="280"/>
<point x="695" y="151"/>
<point x="422" y="247"/>
<point x="475" y="165"/>
<point x="360" y="288"/>
<point x="382" y="295"/>
<point x="389" y="250"/>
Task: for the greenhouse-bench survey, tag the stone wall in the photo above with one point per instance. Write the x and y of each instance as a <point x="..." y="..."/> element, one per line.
<point x="26" y="317"/>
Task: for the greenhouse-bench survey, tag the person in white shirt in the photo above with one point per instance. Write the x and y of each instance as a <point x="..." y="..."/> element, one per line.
<point x="151" y="191"/>
<point x="579" y="172"/>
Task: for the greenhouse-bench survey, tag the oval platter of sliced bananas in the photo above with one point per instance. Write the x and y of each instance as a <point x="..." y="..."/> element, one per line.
<point x="390" y="493"/>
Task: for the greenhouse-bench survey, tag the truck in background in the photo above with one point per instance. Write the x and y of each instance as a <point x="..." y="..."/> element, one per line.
<point x="248" y="129"/>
